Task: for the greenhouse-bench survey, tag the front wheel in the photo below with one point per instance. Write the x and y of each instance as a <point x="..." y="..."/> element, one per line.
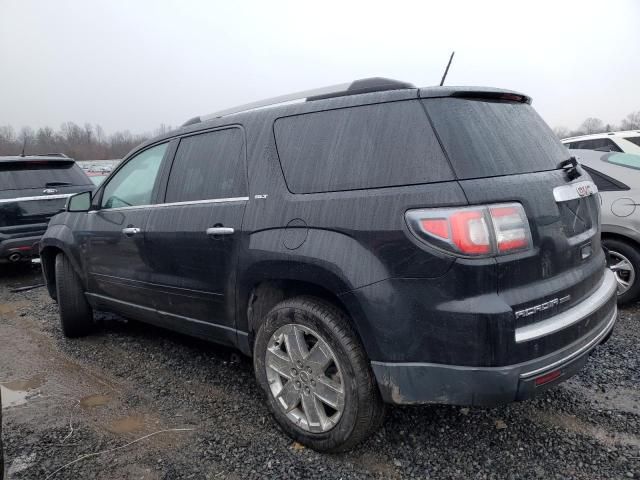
<point x="76" y="315"/>
<point x="316" y="375"/>
<point x="624" y="261"/>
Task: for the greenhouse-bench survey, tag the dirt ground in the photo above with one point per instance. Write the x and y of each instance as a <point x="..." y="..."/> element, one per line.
<point x="136" y="402"/>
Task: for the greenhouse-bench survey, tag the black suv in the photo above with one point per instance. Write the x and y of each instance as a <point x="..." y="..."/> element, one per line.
<point x="370" y="243"/>
<point x="32" y="190"/>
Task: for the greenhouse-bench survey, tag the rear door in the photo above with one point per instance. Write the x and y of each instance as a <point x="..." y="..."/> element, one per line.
<point x="194" y="237"/>
<point x="117" y="260"/>
<point x="502" y="151"/>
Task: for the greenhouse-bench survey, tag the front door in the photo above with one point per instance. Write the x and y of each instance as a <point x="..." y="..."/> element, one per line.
<point x="194" y="237"/>
<point x="117" y="260"/>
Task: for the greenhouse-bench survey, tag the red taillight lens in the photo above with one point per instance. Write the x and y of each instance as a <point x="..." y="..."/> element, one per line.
<point x="469" y="232"/>
<point x="473" y="231"/>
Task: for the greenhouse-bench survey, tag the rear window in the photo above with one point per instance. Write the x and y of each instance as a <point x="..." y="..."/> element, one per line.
<point x="25" y="175"/>
<point x="486" y="138"/>
<point x="623" y="159"/>
<point x="370" y="146"/>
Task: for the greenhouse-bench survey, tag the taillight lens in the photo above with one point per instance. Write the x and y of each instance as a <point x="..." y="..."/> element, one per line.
<point x="473" y="231"/>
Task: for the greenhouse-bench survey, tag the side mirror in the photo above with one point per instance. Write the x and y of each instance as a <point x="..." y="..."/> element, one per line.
<point x="80" y="202"/>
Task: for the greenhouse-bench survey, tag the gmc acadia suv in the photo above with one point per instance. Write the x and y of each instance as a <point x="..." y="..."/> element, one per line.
<point x="365" y="244"/>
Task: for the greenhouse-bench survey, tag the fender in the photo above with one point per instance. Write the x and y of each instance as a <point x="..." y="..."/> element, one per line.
<point x="622" y="231"/>
<point x="328" y="259"/>
<point x="61" y="237"/>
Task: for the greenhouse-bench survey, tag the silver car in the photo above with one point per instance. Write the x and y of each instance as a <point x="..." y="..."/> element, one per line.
<point x="617" y="176"/>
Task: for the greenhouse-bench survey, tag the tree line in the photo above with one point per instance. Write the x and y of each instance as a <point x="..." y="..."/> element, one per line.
<point x="595" y="125"/>
<point x="88" y="142"/>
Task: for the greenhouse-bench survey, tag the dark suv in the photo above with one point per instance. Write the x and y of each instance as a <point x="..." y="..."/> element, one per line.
<point x="32" y="190"/>
<point x="370" y="243"/>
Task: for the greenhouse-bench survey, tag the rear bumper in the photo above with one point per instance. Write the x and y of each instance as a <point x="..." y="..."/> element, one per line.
<point x="410" y="383"/>
<point x="26" y="247"/>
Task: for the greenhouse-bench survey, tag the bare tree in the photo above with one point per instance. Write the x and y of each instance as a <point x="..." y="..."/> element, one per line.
<point x="561" y="132"/>
<point x="592" y="125"/>
<point x="632" y="121"/>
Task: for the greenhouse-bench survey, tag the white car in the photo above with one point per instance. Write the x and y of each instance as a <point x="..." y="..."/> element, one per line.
<point x="626" y="142"/>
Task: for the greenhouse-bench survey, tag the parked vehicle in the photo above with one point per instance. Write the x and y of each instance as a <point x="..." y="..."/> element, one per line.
<point x="627" y="141"/>
<point x="33" y="189"/>
<point x="617" y="176"/>
<point x="370" y="243"/>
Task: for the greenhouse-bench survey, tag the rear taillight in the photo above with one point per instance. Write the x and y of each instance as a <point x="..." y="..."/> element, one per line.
<point x="473" y="231"/>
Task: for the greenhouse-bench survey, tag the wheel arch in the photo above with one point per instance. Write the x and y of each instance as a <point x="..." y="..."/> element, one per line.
<point x="261" y="295"/>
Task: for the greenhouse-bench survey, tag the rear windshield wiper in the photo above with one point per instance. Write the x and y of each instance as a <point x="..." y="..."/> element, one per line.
<point x="58" y="184"/>
<point x="570" y="167"/>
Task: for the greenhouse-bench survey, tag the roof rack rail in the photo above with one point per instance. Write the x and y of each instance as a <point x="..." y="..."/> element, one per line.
<point x="62" y="155"/>
<point x="366" y="85"/>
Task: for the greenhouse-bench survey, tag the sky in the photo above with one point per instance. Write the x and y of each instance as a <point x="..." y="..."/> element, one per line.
<point x="138" y="64"/>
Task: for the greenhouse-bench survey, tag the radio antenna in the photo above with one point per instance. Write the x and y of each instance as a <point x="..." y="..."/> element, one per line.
<point x="447" y="69"/>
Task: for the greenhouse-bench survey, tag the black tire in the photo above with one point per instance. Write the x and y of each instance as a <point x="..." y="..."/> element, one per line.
<point x="363" y="409"/>
<point x="630" y="252"/>
<point x="76" y="315"/>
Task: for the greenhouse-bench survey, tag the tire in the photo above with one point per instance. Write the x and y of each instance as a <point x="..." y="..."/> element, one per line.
<point x="626" y="255"/>
<point x="334" y="379"/>
<point x="76" y="315"/>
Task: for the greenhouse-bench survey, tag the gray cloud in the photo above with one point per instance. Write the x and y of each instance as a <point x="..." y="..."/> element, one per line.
<point x="136" y="64"/>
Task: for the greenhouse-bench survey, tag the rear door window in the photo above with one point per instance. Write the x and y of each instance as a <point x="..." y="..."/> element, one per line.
<point x="368" y="146"/>
<point x="40" y="174"/>
<point x="208" y="166"/>
<point x="487" y="138"/>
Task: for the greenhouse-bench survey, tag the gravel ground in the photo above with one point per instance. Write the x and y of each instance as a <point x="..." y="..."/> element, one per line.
<point x="193" y="410"/>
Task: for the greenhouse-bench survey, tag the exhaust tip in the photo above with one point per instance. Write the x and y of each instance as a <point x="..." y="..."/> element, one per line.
<point x="15" y="257"/>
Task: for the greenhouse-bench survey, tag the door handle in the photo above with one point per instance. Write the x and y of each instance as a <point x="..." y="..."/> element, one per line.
<point x="131" y="231"/>
<point x="220" y="231"/>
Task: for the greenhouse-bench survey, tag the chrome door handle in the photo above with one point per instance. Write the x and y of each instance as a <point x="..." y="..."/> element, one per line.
<point x="130" y="231"/>
<point x="220" y="231"/>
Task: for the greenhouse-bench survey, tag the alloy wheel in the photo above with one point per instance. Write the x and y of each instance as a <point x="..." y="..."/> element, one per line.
<point x="623" y="270"/>
<point x="305" y="378"/>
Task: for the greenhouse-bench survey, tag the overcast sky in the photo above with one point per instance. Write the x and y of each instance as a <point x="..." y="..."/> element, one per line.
<point x="137" y="64"/>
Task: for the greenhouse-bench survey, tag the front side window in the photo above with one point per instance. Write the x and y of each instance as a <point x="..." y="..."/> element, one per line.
<point x="133" y="184"/>
<point x="208" y="166"/>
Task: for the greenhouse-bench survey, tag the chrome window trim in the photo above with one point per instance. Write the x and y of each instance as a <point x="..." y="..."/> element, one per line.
<point x="564" y="193"/>
<point x="39" y="197"/>
<point x="174" y="204"/>
<point x="602" y="295"/>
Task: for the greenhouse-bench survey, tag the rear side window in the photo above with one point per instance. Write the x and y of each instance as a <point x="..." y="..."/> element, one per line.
<point x="485" y="138"/>
<point x="32" y="174"/>
<point x="369" y="146"/>
<point x="208" y="166"/>
<point x="635" y="140"/>
<point x="604" y="182"/>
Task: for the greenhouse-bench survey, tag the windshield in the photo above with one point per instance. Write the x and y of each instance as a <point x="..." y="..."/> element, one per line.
<point x="25" y="175"/>
<point x="488" y="138"/>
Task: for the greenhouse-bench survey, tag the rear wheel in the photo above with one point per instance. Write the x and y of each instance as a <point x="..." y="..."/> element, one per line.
<point x="76" y="315"/>
<point x="316" y="376"/>
<point x="624" y="261"/>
